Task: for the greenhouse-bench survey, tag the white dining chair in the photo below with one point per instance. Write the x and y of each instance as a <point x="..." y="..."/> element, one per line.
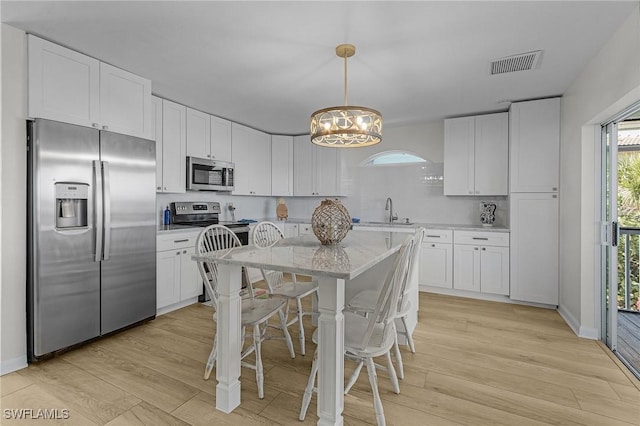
<point x="255" y="312"/>
<point x="266" y="234"/>
<point x="364" y="301"/>
<point x="370" y="336"/>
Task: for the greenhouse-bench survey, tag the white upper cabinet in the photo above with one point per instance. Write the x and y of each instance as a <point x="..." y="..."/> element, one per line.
<point x="174" y="147"/>
<point x="327" y="170"/>
<point x="251" y="153"/>
<point x="476" y="155"/>
<point x="67" y="86"/>
<point x="156" y="135"/>
<point x="535" y="146"/>
<point x="125" y="102"/>
<point x="220" y="139"/>
<point x="316" y="170"/>
<point x="64" y="85"/>
<point x="303" y="166"/>
<point x="282" y="165"/>
<point x="208" y="136"/>
<point x="198" y="134"/>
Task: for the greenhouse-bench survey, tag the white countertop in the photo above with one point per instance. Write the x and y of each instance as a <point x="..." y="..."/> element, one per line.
<point x="305" y="255"/>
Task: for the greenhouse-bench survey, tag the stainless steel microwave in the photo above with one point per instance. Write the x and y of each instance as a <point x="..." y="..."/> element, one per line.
<point x="209" y="175"/>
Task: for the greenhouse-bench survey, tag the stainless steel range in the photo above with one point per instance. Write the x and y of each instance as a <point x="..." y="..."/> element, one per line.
<point x="205" y="213"/>
<point x="202" y="214"/>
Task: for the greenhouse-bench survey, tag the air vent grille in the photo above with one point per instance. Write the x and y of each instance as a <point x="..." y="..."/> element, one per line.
<point x="522" y="62"/>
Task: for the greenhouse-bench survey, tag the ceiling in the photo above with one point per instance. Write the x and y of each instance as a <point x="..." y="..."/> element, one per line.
<point x="269" y="65"/>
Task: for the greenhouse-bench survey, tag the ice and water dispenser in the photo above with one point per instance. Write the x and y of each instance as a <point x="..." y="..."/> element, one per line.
<point x="71" y="204"/>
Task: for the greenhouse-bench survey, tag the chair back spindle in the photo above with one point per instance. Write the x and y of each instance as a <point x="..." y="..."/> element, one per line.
<point x="387" y="303"/>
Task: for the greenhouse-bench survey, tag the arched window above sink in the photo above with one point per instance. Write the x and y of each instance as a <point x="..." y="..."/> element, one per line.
<point x="393" y="158"/>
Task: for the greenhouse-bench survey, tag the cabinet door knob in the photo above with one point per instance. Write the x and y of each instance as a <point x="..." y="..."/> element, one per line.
<point x="177" y="253"/>
<point x="484" y="248"/>
<point x="105" y="127"/>
<point x="96" y="125"/>
<point x="470" y="192"/>
<point x="165" y="188"/>
<point x="477" y="192"/>
<point x="159" y="188"/>
<point x="475" y="248"/>
<point x="184" y="252"/>
<point x="433" y="245"/>
<point x="554" y="189"/>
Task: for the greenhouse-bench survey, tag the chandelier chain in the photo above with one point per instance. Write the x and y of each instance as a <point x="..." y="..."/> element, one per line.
<point x="345" y="81"/>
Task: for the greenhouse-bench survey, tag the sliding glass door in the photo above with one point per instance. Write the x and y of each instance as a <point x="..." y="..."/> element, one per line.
<point x="621" y="236"/>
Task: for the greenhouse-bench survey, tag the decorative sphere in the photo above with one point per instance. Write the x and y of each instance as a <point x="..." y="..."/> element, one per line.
<point x="330" y="222"/>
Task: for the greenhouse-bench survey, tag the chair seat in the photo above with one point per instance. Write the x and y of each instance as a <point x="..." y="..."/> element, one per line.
<point x="354" y="328"/>
<point x="365" y="302"/>
<point x="298" y="289"/>
<point x="255" y="311"/>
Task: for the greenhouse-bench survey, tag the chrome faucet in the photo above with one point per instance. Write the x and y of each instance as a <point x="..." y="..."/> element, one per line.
<point x="389" y="206"/>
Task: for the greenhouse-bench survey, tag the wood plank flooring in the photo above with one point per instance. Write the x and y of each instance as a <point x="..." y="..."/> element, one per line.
<point x="629" y="337"/>
<point x="477" y="363"/>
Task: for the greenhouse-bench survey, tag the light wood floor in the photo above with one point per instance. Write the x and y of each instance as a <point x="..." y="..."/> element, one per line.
<point x="477" y="363"/>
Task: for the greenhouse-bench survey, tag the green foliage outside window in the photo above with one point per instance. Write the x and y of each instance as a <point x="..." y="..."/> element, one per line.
<point x="629" y="216"/>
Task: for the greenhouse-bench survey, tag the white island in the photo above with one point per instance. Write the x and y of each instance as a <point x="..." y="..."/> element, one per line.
<point x="335" y="268"/>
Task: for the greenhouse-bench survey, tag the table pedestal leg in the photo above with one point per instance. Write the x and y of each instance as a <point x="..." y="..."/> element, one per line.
<point x="229" y="339"/>
<point x="330" y="351"/>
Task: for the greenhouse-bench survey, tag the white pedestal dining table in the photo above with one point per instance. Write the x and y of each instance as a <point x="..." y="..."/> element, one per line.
<point x="334" y="267"/>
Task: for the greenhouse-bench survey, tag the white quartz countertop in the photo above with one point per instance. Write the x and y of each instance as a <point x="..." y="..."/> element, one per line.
<point x="453" y="227"/>
<point x="305" y="255"/>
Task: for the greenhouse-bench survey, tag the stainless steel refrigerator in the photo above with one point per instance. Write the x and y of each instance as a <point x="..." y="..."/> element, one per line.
<point x="92" y="234"/>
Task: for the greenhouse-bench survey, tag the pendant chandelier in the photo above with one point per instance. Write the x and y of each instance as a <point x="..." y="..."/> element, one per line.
<point x="346" y="126"/>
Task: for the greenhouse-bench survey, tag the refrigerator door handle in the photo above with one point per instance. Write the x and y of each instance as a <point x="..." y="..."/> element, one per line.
<point x="106" y="193"/>
<point x="98" y="214"/>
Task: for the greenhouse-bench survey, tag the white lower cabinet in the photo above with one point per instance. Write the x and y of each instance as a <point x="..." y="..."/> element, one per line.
<point x="534" y="247"/>
<point x="481" y="262"/>
<point x="305" y="229"/>
<point x="436" y="259"/>
<point x="178" y="281"/>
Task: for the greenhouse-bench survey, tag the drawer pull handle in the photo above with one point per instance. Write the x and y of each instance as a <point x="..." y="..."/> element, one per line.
<point x="433" y="236"/>
<point x="181" y="241"/>
<point x="480" y="238"/>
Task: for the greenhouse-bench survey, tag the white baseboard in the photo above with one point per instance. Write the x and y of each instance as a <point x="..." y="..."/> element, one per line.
<point x="579" y="330"/>
<point x="178" y="305"/>
<point x="589" y="333"/>
<point x="11" y="365"/>
<point x="480" y="296"/>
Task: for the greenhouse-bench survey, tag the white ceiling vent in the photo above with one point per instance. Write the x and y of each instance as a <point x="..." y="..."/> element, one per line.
<point x="522" y="62"/>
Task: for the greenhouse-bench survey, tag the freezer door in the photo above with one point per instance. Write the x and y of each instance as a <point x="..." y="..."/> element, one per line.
<point x="64" y="277"/>
<point x="129" y="248"/>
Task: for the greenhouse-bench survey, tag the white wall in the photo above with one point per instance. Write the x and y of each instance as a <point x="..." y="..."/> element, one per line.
<point x="369" y="187"/>
<point x="13" y="161"/>
<point x="413" y="196"/>
<point x="610" y="82"/>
